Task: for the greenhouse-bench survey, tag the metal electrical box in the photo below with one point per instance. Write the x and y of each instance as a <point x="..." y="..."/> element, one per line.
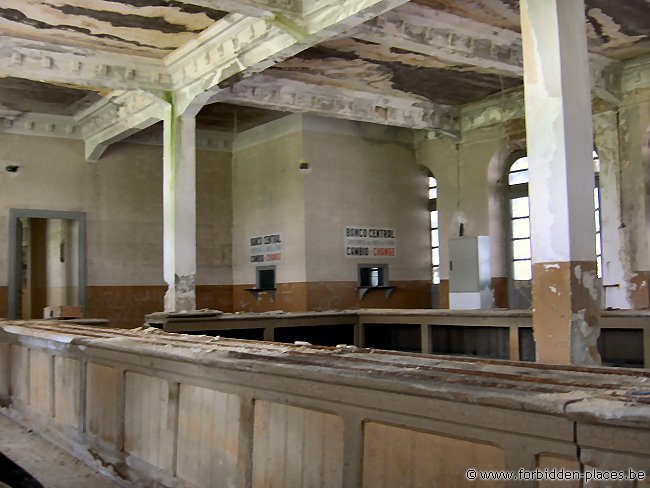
<point x="469" y="273"/>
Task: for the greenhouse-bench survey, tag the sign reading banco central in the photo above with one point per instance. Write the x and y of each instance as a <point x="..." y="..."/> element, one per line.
<point x="369" y="242"/>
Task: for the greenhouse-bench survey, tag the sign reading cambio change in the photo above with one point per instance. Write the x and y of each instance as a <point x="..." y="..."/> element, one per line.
<point x="266" y="249"/>
<point x="369" y="242"/>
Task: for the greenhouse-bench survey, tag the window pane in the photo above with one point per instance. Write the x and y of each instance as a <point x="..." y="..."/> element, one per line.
<point x="519" y="207"/>
<point x="521" y="228"/>
<point x="598" y="249"/>
<point x="432" y="182"/>
<point x="435" y="256"/>
<point x="521" y="249"/>
<point x="518" y="177"/>
<point x="434" y="238"/>
<point x="523" y="270"/>
<point x="434" y="219"/>
<point x="599" y="262"/>
<point x="596" y="198"/>
<point x="521" y="163"/>
<point x="596" y="162"/>
<point x="436" y="276"/>
<point x="433" y="193"/>
<point x="597" y="220"/>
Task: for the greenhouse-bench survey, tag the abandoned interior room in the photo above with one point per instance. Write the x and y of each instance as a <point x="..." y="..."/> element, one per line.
<point x="326" y="243"/>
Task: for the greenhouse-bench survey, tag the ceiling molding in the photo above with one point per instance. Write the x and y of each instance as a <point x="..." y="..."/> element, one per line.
<point x="116" y="117"/>
<point x="88" y="68"/>
<point x="446" y="37"/>
<point x="248" y="46"/>
<point x="272" y="92"/>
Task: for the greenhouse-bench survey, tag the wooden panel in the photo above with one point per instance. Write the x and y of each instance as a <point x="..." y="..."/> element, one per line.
<point x="67" y="373"/>
<point x="296" y="447"/>
<point x="208" y="437"/>
<point x="394" y="454"/>
<point x="40" y="382"/>
<point x="19" y="379"/>
<point x="549" y="461"/>
<point x="148" y="426"/>
<point x="5" y="370"/>
<point x="101" y="402"/>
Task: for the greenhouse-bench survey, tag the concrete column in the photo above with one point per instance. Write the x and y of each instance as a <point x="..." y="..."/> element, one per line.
<point x="179" y="209"/>
<point x="560" y="141"/>
<point x="617" y="265"/>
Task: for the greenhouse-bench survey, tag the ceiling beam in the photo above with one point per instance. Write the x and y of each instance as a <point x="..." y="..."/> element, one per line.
<point x="449" y="38"/>
<point x="249" y="45"/>
<point x="116" y="117"/>
<point x="277" y="93"/>
<point x="40" y="61"/>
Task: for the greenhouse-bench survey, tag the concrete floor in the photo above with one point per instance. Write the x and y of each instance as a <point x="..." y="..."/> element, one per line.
<point x="52" y="466"/>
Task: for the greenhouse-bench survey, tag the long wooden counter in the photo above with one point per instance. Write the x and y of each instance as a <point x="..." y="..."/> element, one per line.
<point x="178" y="410"/>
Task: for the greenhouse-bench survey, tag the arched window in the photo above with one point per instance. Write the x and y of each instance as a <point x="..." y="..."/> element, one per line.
<point x="519" y="205"/>
<point x="435" y="236"/>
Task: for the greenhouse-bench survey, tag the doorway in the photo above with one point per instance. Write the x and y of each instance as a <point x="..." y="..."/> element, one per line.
<point x="47" y="261"/>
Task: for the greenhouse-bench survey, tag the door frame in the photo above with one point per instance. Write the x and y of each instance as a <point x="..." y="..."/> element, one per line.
<point x="14" y="259"/>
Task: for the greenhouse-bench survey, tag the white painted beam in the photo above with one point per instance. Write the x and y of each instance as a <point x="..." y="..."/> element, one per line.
<point x="283" y="94"/>
<point x="116" y="117"/>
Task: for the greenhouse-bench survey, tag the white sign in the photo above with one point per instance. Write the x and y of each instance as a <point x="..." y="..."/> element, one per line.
<point x="266" y="249"/>
<point x="369" y="242"/>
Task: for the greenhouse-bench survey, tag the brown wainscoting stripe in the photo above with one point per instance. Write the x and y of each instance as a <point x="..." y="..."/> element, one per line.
<point x="443" y="290"/>
<point x="290" y="297"/>
<point x="124" y="306"/>
<point x="336" y="295"/>
<point x="214" y="297"/>
<point x="500" y="288"/>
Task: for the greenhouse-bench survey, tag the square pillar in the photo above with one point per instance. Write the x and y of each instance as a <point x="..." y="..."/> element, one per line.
<point x="617" y="259"/>
<point x="179" y="212"/>
<point x="560" y="142"/>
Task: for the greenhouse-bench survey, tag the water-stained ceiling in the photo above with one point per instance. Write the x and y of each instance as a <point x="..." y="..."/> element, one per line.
<point x="151" y="28"/>
<point x="449" y="52"/>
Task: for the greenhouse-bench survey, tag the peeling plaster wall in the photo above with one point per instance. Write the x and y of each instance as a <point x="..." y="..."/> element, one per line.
<point x="634" y="127"/>
<point x="122" y="196"/>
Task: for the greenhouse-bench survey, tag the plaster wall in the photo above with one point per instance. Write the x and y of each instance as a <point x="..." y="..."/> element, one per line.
<point x="465" y="192"/>
<point x="364" y="176"/>
<point x="268" y="197"/>
<point x="122" y="197"/>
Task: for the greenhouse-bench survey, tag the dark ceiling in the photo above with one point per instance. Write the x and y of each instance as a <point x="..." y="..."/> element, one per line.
<point x="33" y="96"/>
<point x="236" y="118"/>
<point x="145" y="27"/>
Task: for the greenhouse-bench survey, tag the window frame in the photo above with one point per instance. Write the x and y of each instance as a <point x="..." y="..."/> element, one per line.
<point x="383" y="275"/>
<point x="518" y="190"/>
<point x="433" y="207"/>
<point x="258" y="280"/>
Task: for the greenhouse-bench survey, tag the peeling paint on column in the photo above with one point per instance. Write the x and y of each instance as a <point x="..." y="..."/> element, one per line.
<point x="584" y="322"/>
<point x="566" y="329"/>
<point x="182" y="297"/>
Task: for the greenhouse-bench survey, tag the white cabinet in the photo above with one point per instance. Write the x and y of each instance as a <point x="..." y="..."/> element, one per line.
<point x="469" y="273"/>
